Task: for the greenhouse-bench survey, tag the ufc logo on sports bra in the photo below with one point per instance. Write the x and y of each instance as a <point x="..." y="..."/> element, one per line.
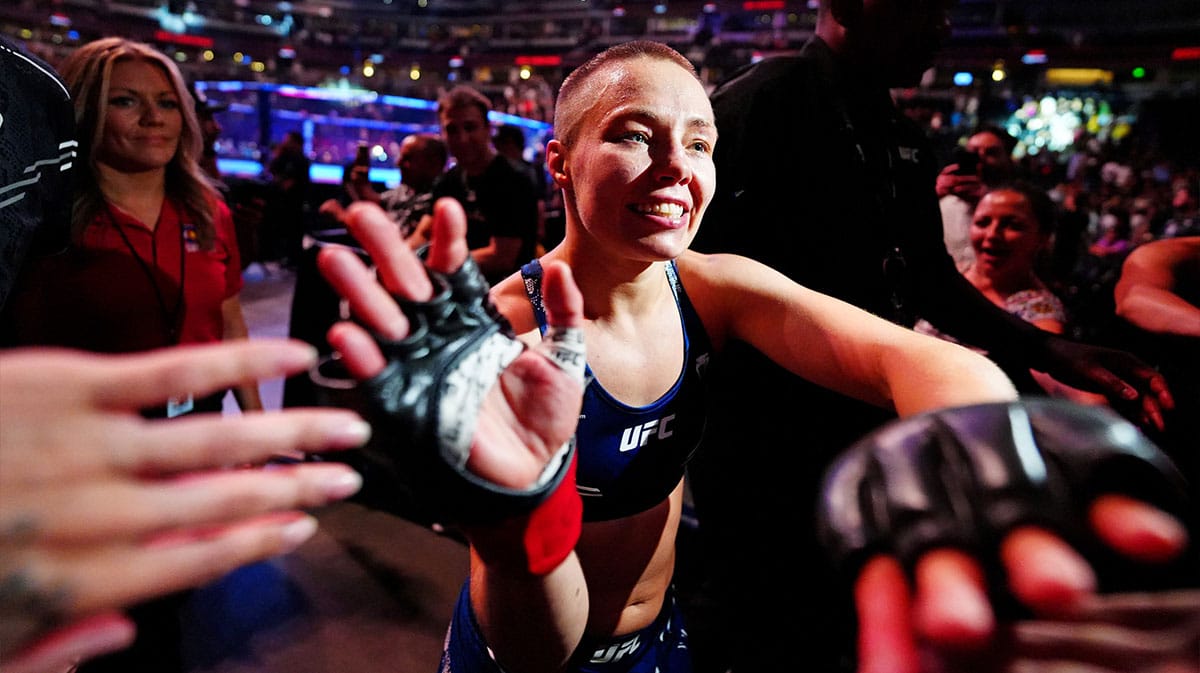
<point x="637" y="436"/>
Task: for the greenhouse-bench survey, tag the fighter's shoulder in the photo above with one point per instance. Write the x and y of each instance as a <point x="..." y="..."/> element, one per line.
<point x="706" y="272"/>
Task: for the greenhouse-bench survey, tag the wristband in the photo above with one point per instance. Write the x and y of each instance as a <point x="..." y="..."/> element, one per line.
<point x="536" y="542"/>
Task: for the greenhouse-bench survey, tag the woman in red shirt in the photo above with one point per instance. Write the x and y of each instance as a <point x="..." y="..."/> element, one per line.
<point x="154" y="260"/>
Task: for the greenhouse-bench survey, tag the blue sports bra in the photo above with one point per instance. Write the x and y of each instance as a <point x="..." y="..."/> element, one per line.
<point x="631" y="458"/>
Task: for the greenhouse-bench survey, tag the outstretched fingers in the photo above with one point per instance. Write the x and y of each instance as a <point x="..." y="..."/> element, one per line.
<point x="448" y="250"/>
<point x="185" y="559"/>
<point x="204" y="441"/>
<point x="400" y="272"/>
<point x="63" y="648"/>
<point x="1136" y="529"/>
<point x="563" y="342"/>
<point x="61" y="582"/>
<point x="886" y="639"/>
<point x="562" y="298"/>
<point x="1156" y="400"/>
<point x="357" y="284"/>
<point x="1044" y="572"/>
<point x="358" y="350"/>
<point x="952" y="609"/>
<point x="132" y="382"/>
<point x="372" y="293"/>
<point x="133" y="508"/>
<point x="1049" y="576"/>
<point x="1157" y="385"/>
<point x="1136" y="384"/>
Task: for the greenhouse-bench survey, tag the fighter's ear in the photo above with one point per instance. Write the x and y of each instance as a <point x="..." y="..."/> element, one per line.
<point x="847" y="12"/>
<point x="556" y="162"/>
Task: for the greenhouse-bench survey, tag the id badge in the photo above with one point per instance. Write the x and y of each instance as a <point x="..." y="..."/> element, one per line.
<point x="177" y="406"/>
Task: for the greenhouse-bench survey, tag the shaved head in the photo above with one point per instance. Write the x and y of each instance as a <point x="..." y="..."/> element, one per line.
<point x="590" y="81"/>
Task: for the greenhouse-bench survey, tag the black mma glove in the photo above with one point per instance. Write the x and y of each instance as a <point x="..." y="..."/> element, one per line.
<point x="964" y="477"/>
<point x="423" y="406"/>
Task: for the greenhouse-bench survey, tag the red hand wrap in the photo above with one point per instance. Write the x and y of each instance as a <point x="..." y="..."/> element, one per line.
<point x="536" y="542"/>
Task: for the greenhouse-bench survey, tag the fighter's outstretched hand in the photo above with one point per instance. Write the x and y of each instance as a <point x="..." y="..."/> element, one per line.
<point x="943" y="621"/>
<point x="956" y="524"/>
<point x="445" y="383"/>
<point x="101" y="508"/>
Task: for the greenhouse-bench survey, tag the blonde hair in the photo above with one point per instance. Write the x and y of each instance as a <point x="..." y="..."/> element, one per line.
<point x="88" y="73"/>
<point x="572" y="105"/>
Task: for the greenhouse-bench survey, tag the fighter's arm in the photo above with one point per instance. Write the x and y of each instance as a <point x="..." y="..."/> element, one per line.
<point x="835" y="344"/>
<point x="531" y="611"/>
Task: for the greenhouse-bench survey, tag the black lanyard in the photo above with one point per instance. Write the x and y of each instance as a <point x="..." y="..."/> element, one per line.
<point x="171" y="319"/>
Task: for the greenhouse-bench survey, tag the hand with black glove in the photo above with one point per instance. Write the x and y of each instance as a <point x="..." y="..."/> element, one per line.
<point x="473" y="424"/>
<point x="1007" y="520"/>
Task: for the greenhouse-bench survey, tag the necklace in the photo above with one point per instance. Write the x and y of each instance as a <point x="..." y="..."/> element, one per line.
<point x="172" y="318"/>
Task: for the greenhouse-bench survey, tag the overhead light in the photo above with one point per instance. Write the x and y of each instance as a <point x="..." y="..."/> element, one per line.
<point x="1078" y="76"/>
<point x="1034" y="57"/>
<point x="544" y="60"/>
<point x="1185" y="53"/>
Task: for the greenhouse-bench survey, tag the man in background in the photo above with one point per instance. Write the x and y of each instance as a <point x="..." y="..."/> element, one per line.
<point x="286" y="219"/>
<point x="421" y="160"/>
<point x="501" y="204"/>
<point x="509" y="141"/>
<point x="210" y="131"/>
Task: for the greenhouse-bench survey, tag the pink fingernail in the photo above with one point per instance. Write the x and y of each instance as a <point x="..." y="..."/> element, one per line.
<point x="297" y="532"/>
<point x="349" y="434"/>
<point x="343" y="485"/>
<point x="295" y="357"/>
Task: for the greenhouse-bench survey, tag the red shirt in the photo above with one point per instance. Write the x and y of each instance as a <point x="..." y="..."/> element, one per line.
<point x="121" y="293"/>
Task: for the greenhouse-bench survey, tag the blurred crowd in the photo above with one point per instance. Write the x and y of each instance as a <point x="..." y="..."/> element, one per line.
<point x="1076" y="273"/>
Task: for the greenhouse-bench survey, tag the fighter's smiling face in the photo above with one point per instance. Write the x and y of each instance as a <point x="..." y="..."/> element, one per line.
<point x="646" y="148"/>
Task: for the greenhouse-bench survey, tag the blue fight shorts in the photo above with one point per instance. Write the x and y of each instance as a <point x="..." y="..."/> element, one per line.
<point x="660" y="647"/>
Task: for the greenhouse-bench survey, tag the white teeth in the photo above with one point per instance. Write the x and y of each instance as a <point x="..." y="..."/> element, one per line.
<point x="670" y="210"/>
